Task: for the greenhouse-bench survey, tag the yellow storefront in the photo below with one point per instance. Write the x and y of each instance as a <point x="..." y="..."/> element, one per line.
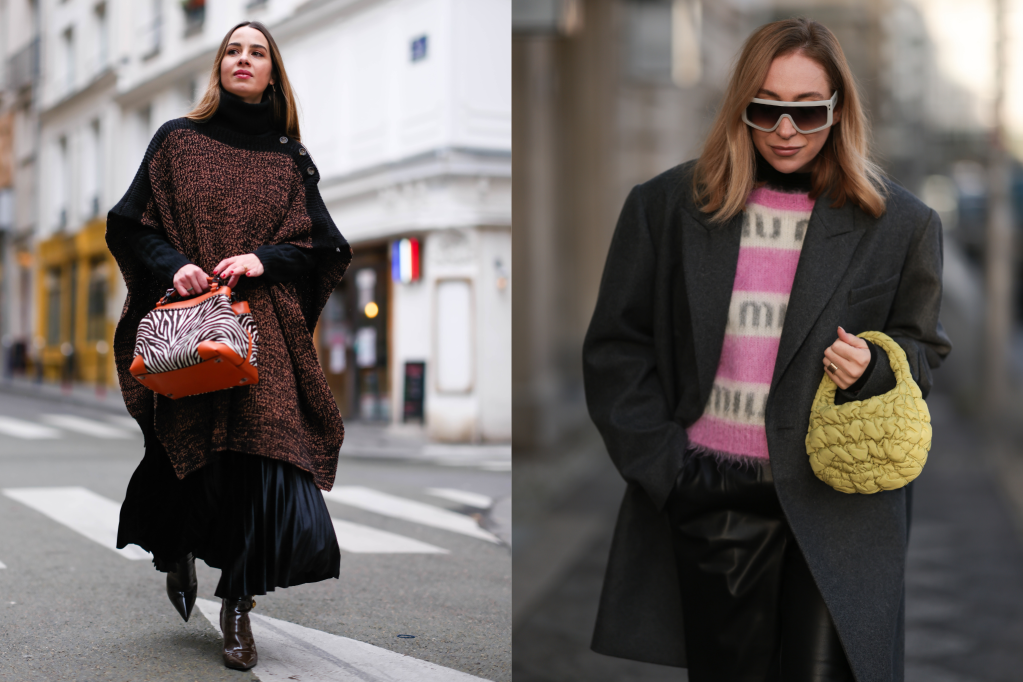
<point x="74" y="280"/>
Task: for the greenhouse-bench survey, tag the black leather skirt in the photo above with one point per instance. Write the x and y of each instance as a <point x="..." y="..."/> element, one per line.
<point x="260" y="520"/>
<point x="751" y="608"/>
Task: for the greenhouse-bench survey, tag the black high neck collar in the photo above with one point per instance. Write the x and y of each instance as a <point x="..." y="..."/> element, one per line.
<point x="787" y="182"/>
<point x="238" y="115"/>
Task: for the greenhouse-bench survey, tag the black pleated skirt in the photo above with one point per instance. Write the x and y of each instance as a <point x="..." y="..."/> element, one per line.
<point x="263" y="522"/>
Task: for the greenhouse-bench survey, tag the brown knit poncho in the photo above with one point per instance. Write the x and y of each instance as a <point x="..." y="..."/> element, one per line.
<point x="215" y="191"/>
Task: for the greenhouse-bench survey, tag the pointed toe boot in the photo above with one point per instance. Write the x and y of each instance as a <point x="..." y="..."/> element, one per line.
<point x="182" y="586"/>
<point x="239" y="647"/>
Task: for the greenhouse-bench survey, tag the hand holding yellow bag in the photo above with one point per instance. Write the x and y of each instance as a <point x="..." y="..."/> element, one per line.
<point x="880" y="443"/>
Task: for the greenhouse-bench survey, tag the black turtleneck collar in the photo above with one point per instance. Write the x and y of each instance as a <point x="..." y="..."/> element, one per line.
<point x="238" y="115"/>
<point x="787" y="182"/>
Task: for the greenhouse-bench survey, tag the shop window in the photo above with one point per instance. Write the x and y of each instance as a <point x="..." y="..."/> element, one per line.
<point x="96" y="321"/>
<point x="53" y="307"/>
<point x="454" y="336"/>
<point x="370" y="342"/>
<point x="353" y="338"/>
<point x="73" y="300"/>
<point x="336" y="333"/>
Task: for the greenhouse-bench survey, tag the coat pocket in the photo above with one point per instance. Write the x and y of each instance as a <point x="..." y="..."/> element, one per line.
<point x="873" y="290"/>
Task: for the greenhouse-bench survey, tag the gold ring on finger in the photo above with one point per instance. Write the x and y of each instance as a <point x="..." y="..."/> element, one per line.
<point x="833" y="368"/>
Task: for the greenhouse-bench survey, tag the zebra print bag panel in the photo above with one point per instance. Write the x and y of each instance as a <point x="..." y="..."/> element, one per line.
<point x="198" y="345"/>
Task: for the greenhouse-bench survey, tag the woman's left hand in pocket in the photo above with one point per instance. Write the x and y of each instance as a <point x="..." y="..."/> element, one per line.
<point x="846" y="359"/>
<point x="247" y="264"/>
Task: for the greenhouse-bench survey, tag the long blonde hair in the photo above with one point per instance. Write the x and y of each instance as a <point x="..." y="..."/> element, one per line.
<point x="284" y="109"/>
<point x="726" y="170"/>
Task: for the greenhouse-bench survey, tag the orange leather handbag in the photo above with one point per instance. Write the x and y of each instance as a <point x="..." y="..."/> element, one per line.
<point x="196" y="345"/>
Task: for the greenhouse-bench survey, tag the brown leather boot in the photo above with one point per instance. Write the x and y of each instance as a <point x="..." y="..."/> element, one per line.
<point x="239" y="647"/>
<point x="182" y="586"/>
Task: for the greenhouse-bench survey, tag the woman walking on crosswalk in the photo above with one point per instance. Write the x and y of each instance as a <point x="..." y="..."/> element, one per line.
<point x="233" y="477"/>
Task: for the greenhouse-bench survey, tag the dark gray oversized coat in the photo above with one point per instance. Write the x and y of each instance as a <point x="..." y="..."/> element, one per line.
<point x="650" y="356"/>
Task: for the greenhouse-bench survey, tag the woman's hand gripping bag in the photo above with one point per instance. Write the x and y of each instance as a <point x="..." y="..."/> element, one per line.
<point x="880" y="443"/>
<point x="196" y="345"/>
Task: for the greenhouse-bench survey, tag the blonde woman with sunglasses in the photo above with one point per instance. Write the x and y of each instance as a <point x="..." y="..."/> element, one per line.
<point x="733" y="283"/>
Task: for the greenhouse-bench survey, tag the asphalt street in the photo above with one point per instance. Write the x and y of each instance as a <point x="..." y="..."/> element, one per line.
<point x="964" y="570"/>
<point x="424" y="593"/>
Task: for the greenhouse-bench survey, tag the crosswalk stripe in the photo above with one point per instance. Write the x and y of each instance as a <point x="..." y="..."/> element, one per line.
<point x="20" y="428"/>
<point x="409" y="510"/>
<point x="81" y="510"/>
<point x="462" y="497"/>
<point x="3" y="565"/>
<point x="359" y="539"/>
<point x="292" y="652"/>
<point x="89" y="427"/>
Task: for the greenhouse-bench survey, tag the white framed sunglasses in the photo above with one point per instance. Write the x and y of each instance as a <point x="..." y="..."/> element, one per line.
<point x="806" y="117"/>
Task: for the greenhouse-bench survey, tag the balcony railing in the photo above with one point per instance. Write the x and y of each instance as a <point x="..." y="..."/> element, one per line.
<point x="23" y="67"/>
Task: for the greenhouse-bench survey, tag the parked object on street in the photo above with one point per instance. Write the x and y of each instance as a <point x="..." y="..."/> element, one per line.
<point x="880" y="443"/>
<point x="196" y="345"/>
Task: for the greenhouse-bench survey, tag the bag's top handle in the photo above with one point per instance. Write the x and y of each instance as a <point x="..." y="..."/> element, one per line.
<point x="214" y="282"/>
<point x="904" y="382"/>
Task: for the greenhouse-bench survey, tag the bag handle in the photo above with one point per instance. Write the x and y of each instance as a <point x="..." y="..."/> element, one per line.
<point x="896" y="357"/>
<point x="214" y="282"/>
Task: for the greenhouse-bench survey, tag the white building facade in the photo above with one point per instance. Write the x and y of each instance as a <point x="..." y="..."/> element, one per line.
<point x="405" y="106"/>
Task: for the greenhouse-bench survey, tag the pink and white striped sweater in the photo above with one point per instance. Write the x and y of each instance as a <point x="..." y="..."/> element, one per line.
<point x="773" y="227"/>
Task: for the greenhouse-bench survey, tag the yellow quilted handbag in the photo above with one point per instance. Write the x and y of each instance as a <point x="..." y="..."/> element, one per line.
<point x="880" y="443"/>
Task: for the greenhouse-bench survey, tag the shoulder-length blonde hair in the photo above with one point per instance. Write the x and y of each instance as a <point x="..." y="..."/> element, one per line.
<point x="283" y="98"/>
<point x="726" y="170"/>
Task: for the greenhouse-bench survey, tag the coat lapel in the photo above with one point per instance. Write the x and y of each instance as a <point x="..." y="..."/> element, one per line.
<point x="831" y="239"/>
<point x="710" y="254"/>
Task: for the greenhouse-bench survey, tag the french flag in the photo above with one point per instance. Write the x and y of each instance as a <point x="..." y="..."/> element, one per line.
<point x="405" y="260"/>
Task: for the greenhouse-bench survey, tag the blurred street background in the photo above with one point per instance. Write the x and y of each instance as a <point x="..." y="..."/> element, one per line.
<point x="609" y="93"/>
<point x="405" y="105"/>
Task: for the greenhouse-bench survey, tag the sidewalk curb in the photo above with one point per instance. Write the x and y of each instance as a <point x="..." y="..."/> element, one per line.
<point x="55" y="393"/>
<point x="497" y="455"/>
